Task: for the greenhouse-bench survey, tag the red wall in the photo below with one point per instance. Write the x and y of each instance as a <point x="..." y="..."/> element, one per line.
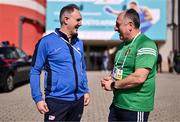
<point x="32" y="27"/>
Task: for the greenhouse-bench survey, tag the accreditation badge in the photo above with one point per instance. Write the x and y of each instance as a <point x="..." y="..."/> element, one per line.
<point x="117" y="73"/>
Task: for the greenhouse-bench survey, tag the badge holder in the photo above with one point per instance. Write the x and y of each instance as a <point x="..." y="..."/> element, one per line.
<point x="117" y="73"/>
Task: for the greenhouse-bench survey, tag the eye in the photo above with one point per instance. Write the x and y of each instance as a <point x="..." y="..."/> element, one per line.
<point x="79" y="19"/>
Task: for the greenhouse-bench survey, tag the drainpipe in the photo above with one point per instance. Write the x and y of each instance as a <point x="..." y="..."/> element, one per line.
<point x="21" y="21"/>
<point x="20" y="30"/>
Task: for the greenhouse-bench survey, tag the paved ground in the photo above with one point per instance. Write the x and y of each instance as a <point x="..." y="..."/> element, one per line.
<point x="18" y="105"/>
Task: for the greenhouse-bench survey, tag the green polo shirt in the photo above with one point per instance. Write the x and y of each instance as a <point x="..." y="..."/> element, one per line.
<point x="143" y="54"/>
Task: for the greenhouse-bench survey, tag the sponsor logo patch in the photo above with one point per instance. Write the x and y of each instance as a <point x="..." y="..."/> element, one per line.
<point x="51" y="117"/>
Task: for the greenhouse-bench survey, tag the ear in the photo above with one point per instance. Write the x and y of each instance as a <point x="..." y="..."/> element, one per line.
<point x="131" y="26"/>
<point x="66" y="20"/>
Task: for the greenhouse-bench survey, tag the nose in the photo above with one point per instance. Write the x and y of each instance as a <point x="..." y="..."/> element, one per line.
<point x="115" y="28"/>
<point x="80" y="23"/>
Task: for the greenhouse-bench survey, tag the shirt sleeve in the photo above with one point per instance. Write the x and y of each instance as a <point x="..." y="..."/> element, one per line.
<point x="146" y="56"/>
<point x="38" y="61"/>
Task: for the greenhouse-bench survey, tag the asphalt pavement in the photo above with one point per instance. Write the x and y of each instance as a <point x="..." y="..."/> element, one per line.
<point x="18" y="105"/>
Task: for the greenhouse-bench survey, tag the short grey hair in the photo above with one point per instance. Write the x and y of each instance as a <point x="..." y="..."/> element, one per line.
<point x="68" y="9"/>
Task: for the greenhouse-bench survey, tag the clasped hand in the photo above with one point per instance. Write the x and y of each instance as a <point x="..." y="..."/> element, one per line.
<point x="106" y="83"/>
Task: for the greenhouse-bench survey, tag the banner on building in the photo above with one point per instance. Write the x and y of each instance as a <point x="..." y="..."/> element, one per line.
<point x="99" y="17"/>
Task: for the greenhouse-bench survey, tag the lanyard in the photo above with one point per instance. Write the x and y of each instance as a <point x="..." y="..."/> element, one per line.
<point x="127" y="52"/>
<point x="69" y="44"/>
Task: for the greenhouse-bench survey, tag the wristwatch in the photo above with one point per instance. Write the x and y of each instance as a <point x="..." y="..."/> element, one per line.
<point x="113" y="85"/>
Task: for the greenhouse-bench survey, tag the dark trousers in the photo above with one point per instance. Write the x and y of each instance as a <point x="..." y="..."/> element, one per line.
<point x="121" y="115"/>
<point x="64" y="110"/>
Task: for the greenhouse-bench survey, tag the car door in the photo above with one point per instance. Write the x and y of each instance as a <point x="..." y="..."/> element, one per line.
<point x="12" y="57"/>
<point x="24" y="64"/>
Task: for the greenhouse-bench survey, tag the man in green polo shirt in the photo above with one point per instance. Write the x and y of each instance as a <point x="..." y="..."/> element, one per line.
<point x="133" y="76"/>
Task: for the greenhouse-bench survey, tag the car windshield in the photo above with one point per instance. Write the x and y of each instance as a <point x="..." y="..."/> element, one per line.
<point x="8" y="53"/>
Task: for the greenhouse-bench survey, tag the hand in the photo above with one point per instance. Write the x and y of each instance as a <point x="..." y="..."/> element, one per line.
<point x="86" y="99"/>
<point x="106" y="83"/>
<point x="42" y="107"/>
<point x="103" y="81"/>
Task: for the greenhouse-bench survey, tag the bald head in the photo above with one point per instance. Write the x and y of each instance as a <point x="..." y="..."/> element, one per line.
<point x="121" y="18"/>
<point x="127" y="24"/>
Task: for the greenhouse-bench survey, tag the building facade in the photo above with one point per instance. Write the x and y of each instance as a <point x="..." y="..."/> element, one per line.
<point x="22" y="22"/>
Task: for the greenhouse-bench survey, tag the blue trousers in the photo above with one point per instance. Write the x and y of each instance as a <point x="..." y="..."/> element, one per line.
<point x="64" y="110"/>
<point x="121" y="115"/>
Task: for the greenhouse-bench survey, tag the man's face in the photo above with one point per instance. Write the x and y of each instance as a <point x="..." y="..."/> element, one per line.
<point x="122" y="27"/>
<point x="74" y="22"/>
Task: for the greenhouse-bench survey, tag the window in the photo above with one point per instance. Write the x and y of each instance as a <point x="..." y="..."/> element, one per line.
<point x="20" y="53"/>
<point x="8" y="53"/>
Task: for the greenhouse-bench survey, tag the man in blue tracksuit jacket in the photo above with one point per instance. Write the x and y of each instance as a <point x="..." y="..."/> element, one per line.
<point x="61" y="55"/>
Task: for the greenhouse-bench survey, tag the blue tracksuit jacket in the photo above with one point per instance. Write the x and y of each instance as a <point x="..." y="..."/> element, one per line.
<point x="64" y="66"/>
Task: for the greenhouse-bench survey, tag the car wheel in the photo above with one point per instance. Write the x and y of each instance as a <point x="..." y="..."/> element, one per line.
<point x="9" y="83"/>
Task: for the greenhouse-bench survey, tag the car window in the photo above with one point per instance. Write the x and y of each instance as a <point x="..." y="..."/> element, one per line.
<point x="8" y="53"/>
<point x="1" y="56"/>
<point x="2" y="53"/>
<point x="20" y="53"/>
